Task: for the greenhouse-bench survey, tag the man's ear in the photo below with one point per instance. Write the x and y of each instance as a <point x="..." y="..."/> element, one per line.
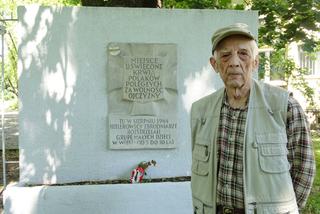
<point x="213" y="63"/>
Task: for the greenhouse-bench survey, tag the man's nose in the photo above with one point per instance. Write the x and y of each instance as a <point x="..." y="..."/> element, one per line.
<point x="234" y="61"/>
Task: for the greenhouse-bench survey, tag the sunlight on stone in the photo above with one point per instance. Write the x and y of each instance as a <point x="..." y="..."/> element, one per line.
<point x="68" y="94"/>
<point x="45" y="23"/>
<point x="32" y="15"/>
<point x="55" y="125"/>
<point x="52" y="160"/>
<point x="200" y="84"/>
<point x="32" y="50"/>
<point x="74" y="15"/>
<point x="53" y="163"/>
<point x="54" y="83"/>
<point x="67" y="133"/>
<point x="48" y="117"/>
<point x="49" y="179"/>
<point x="30" y="202"/>
<point x="59" y="83"/>
<point x="71" y="79"/>
<point x="28" y="53"/>
<point x="27" y="169"/>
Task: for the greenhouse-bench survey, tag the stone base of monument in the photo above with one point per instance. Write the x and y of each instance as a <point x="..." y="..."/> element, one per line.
<point x="155" y="198"/>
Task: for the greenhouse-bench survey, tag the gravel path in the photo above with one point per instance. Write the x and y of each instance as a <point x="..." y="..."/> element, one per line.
<point x="11" y="133"/>
<point x="11" y="129"/>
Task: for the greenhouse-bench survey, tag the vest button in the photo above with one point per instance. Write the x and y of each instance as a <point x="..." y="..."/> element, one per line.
<point x="255" y="145"/>
<point x="203" y="121"/>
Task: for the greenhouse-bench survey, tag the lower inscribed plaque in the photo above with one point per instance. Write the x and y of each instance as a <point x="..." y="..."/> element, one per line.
<point x="142" y="132"/>
<point x="142" y="95"/>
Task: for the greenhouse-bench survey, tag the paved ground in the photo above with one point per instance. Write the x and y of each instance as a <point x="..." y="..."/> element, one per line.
<point x="11" y="134"/>
<point x="11" y="130"/>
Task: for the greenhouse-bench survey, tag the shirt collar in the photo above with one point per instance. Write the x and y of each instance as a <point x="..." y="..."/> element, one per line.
<point x="226" y="103"/>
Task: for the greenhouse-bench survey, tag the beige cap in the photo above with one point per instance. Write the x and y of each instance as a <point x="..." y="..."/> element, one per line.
<point x="234" y="29"/>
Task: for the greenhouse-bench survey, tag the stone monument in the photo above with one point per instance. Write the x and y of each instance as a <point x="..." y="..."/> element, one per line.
<point x="102" y="89"/>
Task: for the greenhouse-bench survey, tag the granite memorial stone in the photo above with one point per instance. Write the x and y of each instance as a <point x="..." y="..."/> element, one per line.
<point x="142" y="95"/>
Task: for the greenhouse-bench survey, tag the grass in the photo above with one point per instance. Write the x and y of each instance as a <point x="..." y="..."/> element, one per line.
<point x="313" y="203"/>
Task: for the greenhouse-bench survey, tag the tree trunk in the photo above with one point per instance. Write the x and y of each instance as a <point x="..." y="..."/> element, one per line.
<point x="123" y="3"/>
<point x="92" y="2"/>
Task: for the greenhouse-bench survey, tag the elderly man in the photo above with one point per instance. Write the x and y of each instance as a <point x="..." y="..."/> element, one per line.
<point x="251" y="145"/>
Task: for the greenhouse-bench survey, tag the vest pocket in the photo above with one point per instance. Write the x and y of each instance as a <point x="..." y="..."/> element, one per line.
<point x="272" y="154"/>
<point x="200" y="157"/>
<point x="278" y="207"/>
<point x="200" y="208"/>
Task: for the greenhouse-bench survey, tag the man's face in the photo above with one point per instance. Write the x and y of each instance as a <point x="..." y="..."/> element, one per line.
<point x="235" y="61"/>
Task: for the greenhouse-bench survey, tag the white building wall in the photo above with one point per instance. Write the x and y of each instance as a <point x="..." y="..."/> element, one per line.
<point x="312" y="80"/>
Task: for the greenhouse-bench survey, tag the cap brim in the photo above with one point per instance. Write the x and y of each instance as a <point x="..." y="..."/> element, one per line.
<point x="227" y="34"/>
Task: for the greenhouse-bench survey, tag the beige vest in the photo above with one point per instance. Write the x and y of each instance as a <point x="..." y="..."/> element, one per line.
<point x="267" y="183"/>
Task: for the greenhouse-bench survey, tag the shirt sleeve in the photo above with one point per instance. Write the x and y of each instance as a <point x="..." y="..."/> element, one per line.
<point x="301" y="155"/>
